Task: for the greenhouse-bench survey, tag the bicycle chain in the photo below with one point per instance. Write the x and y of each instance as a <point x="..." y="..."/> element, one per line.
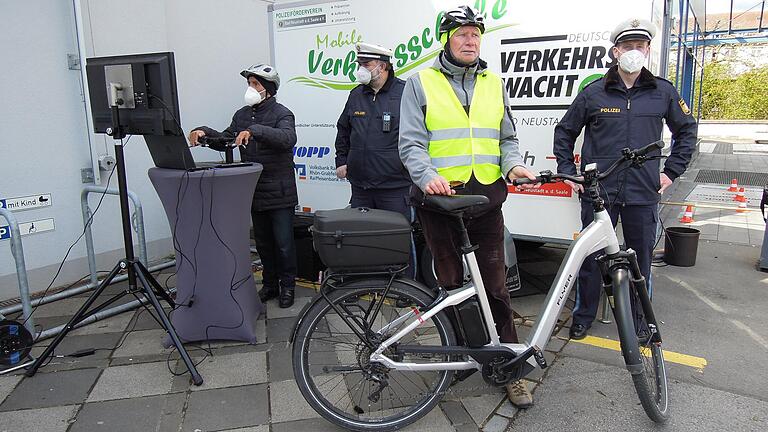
<point x="443" y="393"/>
<point x="520" y="320"/>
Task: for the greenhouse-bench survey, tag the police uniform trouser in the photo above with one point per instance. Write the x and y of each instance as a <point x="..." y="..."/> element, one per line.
<point x="487" y="232"/>
<point x="385" y="199"/>
<point x="638" y="224"/>
<point x="273" y="233"/>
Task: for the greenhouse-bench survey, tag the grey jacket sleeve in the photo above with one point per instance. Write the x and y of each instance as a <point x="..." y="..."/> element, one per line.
<point x="510" y="146"/>
<point x="414" y="138"/>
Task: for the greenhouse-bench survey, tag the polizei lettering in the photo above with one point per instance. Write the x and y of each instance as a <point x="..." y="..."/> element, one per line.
<point x="565" y="289"/>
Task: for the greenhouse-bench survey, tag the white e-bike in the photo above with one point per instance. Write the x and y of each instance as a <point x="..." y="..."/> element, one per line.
<point x="376" y="351"/>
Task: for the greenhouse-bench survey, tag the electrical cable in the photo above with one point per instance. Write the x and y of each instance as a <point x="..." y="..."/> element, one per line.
<point x="177" y="246"/>
<point x="233" y="284"/>
<point x="165" y="106"/>
<point x="184" y="182"/>
<point x="85" y="227"/>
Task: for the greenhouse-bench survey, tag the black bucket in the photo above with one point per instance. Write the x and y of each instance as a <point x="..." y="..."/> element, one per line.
<point x="680" y="246"/>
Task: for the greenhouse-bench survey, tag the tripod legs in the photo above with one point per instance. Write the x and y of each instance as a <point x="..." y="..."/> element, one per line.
<point x="76" y="318"/>
<point x="144" y="277"/>
<point x="140" y="269"/>
<point x="151" y="290"/>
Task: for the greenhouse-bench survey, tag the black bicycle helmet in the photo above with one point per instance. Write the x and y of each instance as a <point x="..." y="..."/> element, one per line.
<point x="461" y="16"/>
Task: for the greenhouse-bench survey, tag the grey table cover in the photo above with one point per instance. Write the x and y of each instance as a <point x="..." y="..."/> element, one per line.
<point x="209" y="215"/>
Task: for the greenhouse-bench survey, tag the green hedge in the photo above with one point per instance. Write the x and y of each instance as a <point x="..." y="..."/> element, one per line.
<point x="729" y="97"/>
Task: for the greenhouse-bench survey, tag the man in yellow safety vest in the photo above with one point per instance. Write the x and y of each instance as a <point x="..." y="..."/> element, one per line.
<point x="455" y="128"/>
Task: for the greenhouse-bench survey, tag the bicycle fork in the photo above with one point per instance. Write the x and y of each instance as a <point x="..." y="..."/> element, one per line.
<point x="618" y="270"/>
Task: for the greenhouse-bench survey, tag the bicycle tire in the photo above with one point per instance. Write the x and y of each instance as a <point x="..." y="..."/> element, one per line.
<point x="316" y="317"/>
<point x="645" y="362"/>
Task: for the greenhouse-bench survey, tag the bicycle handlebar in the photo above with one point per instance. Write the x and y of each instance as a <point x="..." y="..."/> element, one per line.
<point x="206" y="140"/>
<point x="636" y="157"/>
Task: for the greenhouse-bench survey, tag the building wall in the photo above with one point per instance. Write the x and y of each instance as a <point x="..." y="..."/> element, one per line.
<point x="740" y="57"/>
<point x="45" y="135"/>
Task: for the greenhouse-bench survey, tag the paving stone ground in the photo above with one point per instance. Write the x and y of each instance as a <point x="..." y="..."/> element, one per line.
<point x="130" y="383"/>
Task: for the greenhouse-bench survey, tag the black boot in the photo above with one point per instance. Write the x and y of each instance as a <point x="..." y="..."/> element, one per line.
<point x="286" y="297"/>
<point x="268" y="294"/>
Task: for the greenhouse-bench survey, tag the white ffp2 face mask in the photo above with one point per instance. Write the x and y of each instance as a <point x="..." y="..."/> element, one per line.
<point x="632" y="61"/>
<point x="364" y="76"/>
<point x="252" y="96"/>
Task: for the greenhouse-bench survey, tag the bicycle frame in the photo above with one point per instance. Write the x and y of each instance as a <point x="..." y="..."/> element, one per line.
<point x="599" y="235"/>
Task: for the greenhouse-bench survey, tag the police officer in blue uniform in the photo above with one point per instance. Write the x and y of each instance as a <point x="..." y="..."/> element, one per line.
<point x="625" y="108"/>
<point x="367" y="135"/>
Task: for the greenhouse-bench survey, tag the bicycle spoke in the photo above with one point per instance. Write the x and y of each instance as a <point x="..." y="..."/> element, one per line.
<point x="338" y="360"/>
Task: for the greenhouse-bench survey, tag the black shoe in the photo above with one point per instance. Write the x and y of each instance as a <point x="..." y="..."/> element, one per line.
<point x="286" y="298"/>
<point x="578" y="331"/>
<point x="268" y="294"/>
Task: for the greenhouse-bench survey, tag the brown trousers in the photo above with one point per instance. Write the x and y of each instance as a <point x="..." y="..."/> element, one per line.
<point x="487" y="232"/>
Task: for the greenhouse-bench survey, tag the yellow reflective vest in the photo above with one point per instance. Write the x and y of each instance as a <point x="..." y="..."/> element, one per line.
<point x="461" y="144"/>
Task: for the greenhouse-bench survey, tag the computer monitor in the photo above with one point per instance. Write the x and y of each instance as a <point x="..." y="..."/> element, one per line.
<point x="145" y="87"/>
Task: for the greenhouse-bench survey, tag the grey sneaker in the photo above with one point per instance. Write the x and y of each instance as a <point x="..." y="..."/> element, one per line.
<point x="518" y="394"/>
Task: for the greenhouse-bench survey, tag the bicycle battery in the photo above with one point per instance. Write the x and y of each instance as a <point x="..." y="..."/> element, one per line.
<point x="472" y="323"/>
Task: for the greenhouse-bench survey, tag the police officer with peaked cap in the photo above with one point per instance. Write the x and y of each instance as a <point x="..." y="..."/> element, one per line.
<point x="367" y="134"/>
<point x="625" y="108"/>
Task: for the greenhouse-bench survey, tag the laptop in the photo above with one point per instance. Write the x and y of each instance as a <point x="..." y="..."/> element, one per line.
<point x="172" y="152"/>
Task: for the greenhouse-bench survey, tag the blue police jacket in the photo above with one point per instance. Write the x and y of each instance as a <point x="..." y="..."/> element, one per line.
<point x="364" y="144"/>
<point x="614" y="118"/>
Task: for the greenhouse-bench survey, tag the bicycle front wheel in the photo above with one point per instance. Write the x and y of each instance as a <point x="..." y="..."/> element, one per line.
<point x="644" y="358"/>
<point x="331" y="362"/>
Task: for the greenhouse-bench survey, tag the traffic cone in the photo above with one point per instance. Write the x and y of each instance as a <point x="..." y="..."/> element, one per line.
<point x="734" y="186"/>
<point x="688" y="215"/>
<point x="742" y="207"/>
<point x="740" y="196"/>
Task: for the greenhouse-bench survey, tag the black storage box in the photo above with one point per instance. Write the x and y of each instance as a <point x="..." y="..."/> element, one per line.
<point x="361" y="239"/>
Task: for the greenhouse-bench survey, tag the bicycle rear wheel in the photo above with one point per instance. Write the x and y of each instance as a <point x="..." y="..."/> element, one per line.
<point x="332" y="367"/>
<point x="644" y="358"/>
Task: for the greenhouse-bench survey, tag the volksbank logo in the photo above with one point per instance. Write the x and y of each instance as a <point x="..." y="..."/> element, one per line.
<point x="301" y="171"/>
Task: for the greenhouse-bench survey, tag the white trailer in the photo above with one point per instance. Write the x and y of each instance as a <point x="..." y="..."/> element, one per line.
<point x="545" y="51"/>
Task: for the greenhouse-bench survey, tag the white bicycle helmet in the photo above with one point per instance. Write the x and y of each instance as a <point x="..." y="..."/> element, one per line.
<point x="263" y="71"/>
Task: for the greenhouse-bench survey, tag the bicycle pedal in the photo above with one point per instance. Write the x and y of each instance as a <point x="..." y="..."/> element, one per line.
<point x="538" y="355"/>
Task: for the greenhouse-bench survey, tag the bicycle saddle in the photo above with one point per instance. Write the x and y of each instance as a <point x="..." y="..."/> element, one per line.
<point x="453" y="203"/>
